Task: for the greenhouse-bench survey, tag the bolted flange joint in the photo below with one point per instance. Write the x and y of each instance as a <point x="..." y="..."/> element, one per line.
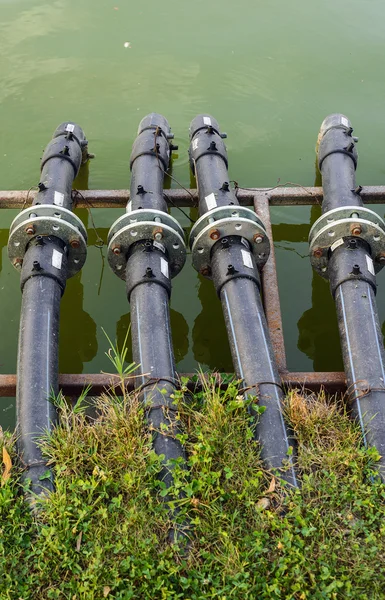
<point x="48" y="220"/>
<point x="146" y="224"/>
<point x="329" y="231"/>
<point x="222" y="222"/>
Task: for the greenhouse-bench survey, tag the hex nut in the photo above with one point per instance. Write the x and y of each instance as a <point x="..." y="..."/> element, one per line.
<point x="205" y="271"/>
<point x="18" y="262"/>
<point x="214" y="234"/>
<point x="356" y="229"/>
<point x="258" y="238"/>
<point x="158" y="233"/>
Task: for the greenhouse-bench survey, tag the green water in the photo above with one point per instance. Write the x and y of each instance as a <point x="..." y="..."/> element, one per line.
<point x="268" y="71"/>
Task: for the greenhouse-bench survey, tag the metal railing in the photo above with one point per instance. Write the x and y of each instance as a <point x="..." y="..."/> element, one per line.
<point x="261" y="199"/>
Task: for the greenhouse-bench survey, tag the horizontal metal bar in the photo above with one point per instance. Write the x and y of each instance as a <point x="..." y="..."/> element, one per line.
<point x="332" y="382"/>
<point x="278" y="196"/>
<point x="73" y="385"/>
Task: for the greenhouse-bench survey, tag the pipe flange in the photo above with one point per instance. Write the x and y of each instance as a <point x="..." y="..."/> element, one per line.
<point x="328" y="232"/>
<point x="222" y="222"/>
<point x="44" y="220"/>
<point x="146" y="224"/>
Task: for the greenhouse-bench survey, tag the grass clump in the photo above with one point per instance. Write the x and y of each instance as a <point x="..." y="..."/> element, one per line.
<point x="103" y="532"/>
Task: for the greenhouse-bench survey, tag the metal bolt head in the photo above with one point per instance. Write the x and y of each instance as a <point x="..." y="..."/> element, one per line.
<point x="317" y="252"/>
<point x="214" y="234"/>
<point x="30" y="230"/>
<point x="158" y="234"/>
<point x="75" y="243"/>
<point x="18" y="262"/>
<point x="381" y="258"/>
<point x="116" y="250"/>
<point x="258" y="238"/>
<point x="356" y="229"/>
<point x="205" y="271"/>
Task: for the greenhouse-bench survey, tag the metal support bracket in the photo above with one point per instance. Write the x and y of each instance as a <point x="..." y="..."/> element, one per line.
<point x="328" y="232"/>
<point x="224" y="221"/>
<point x="48" y="220"/>
<point x="146" y="224"/>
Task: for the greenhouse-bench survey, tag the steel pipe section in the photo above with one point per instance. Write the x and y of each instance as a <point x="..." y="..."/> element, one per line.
<point x="146" y="248"/>
<point x="347" y="247"/>
<point x="47" y="244"/>
<point x="229" y="245"/>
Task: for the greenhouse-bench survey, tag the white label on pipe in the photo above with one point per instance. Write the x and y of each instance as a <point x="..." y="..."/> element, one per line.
<point x="57" y="258"/>
<point x="128" y="207"/>
<point x="159" y="246"/>
<point x="195" y="144"/>
<point x="211" y="201"/>
<point x="344" y="122"/>
<point x="247" y="259"/>
<point x="369" y="262"/>
<point x="207" y="120"/>
<point x="336" y="244"/>
<point x="70" y="127"/>
<point x="164" y="267"/>
<point x="58" y="199"/>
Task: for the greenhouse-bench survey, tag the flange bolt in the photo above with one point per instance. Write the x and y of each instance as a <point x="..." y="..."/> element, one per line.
<point x="317" y="252"/>
<point x="205" y="271"/>
<point x="258" y="238"/>
<point x="30" y="230"/>
<point x="116" y="250"/>
<point x="158" y="234"/>
<point x="214" y="234"/>
<point x="356" y="229"/>
<point x="18" y="263"/>
<point x="75" y="243"/>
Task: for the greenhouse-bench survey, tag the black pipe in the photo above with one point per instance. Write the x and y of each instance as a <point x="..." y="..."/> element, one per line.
<point x="44" y="272"/>
<point x="148" y="271"/>
<point x="352" y="260"/>
<point x="234" y="270"/>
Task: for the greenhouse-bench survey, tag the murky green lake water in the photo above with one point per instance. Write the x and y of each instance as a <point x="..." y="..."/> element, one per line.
<point x="268" y="71"/>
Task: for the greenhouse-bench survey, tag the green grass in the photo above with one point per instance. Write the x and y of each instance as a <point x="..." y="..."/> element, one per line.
<point x="103" y="533"/>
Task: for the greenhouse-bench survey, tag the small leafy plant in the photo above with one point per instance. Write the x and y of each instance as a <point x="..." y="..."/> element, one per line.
<point x="103" y="533"/>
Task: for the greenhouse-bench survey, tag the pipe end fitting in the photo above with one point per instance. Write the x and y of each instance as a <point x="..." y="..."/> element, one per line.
<point x="204" y="122"/>
<point x="154" y="120"/>
<point x="334" y="120"/>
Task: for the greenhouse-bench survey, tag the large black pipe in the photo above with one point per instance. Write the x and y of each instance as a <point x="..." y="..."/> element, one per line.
<point x="350" y="261"/>
<point x="44" y="271"/>
<point x="148" y="271"/>
<point x="232" y="265"/>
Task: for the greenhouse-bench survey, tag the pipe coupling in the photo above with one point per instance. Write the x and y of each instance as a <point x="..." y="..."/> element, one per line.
<point x="48" y="220"/>
<point x="225" y="221"/>
<point x="146" y="224"/>
<point x="335" y="137"/>
<point x="329" y="231"/>
<point x="206" y="139"/>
